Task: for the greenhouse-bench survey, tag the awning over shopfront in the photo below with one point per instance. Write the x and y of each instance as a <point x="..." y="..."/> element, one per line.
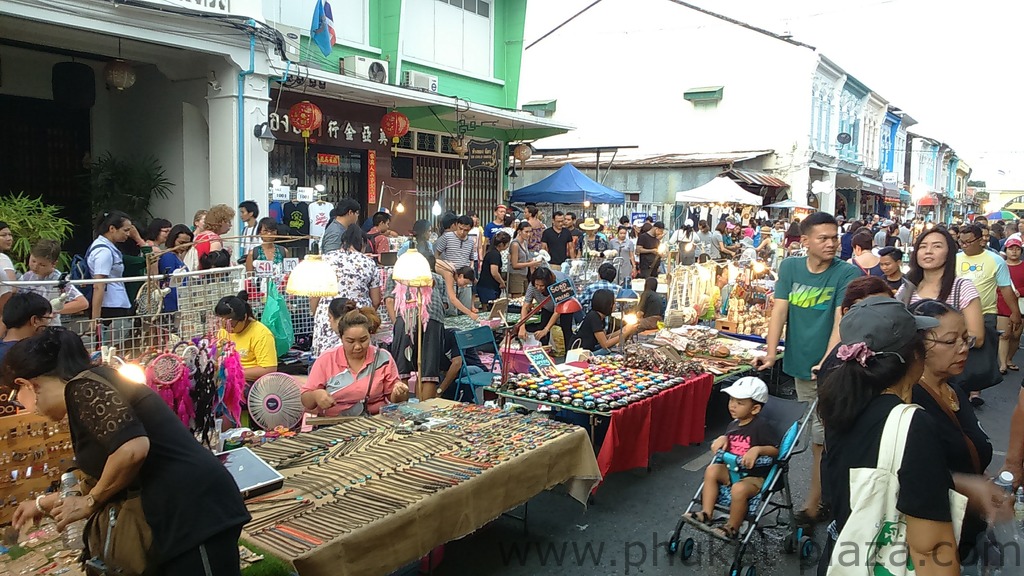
<point x="754" y="178"/>
<point x="929" y="200"/>
<point x="858" y="182"/>
<point x="434" y="111"/>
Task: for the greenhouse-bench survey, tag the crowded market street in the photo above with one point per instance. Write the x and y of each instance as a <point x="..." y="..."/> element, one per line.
<point x="467" y="287"/>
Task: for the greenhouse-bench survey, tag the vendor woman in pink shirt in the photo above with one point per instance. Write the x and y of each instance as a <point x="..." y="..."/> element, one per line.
<point x="356" y="377"/>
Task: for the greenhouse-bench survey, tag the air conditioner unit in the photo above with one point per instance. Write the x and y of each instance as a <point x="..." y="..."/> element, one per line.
<point x="292" y="37"/>
<point x="419" y="81"/>
<point x="365" y="68"/>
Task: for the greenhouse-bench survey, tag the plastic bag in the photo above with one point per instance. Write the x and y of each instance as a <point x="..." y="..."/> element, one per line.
<point x="278" y="319"/>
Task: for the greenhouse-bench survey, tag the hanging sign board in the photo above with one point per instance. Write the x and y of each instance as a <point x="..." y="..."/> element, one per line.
<point x="290" y="264"/>
<point x="305" y="194"/>
<point x="328" y="159"/>
<point x="638" y="218"/>
<point x="263" y="268"/>
<point x="371" y="177"/>
<point x="542" y="362"/>
<point x="561" y="291"/>
<point x="281" y="193"/>
<point x="483" y="154"/>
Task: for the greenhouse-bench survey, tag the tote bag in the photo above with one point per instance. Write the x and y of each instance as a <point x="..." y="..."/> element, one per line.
<point x="874" y="539"/>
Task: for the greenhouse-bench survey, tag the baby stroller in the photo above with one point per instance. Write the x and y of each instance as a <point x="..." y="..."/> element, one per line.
<point x="789" y="419"/>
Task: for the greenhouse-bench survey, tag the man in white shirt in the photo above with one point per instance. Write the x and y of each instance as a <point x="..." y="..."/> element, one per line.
<point x="249" y="212"/>
<point x="762" y="216"/>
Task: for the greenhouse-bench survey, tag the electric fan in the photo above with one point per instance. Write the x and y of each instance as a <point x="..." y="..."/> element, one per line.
<point x="275" y="400"/>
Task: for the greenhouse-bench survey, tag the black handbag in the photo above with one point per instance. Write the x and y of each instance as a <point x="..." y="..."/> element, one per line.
<point x="982" y="368"/>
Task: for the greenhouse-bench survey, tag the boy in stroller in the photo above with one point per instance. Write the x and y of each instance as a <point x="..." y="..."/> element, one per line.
<point x="746" y="440"/>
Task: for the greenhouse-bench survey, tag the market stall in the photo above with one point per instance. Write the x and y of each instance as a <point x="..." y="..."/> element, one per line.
<point x="647" y="411"/>
<point x="369" y="495"/>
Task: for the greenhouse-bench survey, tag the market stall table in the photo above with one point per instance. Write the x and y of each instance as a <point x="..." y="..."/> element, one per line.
<point x="374" y="498"/>
<point x="675" y="416"/>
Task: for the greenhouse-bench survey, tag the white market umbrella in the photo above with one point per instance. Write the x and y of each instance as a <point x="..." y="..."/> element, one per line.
<point x="789" y="203"/>
<point x="719" y="190"/>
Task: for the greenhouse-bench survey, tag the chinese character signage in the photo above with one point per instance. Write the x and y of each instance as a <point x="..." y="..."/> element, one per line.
<point x="328" y="160"/>
<point x="371" y="177"/>
<point x="345" y="124"/>
<point x="483" y="155"/>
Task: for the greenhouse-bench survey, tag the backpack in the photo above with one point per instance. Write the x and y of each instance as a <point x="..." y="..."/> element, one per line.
<point x="80" y="270"/>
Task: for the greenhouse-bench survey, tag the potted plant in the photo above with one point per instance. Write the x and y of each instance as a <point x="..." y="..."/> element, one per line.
<point x="128" y="184"/>
<point x="31" y="219"/>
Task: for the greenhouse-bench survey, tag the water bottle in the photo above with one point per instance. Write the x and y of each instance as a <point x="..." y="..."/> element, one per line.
<point x="998" y="536"/>
<point x="72" y="535"/>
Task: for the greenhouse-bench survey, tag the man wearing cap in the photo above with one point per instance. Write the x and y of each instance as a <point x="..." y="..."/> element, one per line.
<point x="989" y="274"/>
<point x="808" y="293"/>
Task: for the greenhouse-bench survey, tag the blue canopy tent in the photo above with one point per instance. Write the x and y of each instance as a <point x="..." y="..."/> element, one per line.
<point x="567" y="186"/>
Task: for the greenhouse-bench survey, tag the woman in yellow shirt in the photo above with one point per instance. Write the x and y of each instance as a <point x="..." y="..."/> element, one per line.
<point x="253" y="340"/>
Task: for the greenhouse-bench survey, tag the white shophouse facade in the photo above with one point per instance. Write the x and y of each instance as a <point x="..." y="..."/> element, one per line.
<point x="682" y="81"/>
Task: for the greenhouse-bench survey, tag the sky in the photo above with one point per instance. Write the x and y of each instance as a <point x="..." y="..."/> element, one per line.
<point x="954" y="67"/>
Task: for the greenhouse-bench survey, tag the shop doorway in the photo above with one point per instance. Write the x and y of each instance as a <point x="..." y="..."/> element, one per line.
<point x="46" y="153"/>
<point x="342" y="171"/>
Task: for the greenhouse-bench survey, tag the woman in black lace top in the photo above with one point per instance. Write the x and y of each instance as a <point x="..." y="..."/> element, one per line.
<point x="127" y="438"/>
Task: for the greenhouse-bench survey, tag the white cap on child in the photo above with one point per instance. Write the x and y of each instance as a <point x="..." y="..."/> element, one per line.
<point x="748" y="387"/>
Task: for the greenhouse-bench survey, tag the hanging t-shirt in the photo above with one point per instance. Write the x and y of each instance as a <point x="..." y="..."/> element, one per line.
<point x="275" y="211"/>
<point x="813" y="299"/>
<point x="319" y="218"/>
<point x="296" y="218"/>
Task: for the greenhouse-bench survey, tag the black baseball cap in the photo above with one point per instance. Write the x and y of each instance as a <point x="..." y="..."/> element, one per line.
<point x="884" y="324"/>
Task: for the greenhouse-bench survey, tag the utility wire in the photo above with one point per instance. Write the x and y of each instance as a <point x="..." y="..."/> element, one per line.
<point x="555" y="29"/>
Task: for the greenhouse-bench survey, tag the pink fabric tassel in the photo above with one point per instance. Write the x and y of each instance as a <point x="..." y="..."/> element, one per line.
<point x="405" y="299"/>
<point x="234" y="382"/>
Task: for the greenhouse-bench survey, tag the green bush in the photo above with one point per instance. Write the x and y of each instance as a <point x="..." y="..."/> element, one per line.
<point x="31" y="219"/>
<point x="126" y="184"/>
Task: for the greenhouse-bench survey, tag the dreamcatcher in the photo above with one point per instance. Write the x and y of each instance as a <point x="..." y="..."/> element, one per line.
<point x="275" y="400"/>
<point x="169" y="377"/>
<point x="410" y="301"/>
<point x="149" y="301"/>
<point x="203" y="369"/>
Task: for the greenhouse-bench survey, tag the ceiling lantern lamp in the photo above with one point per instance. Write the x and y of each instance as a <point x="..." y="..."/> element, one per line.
<point x="523" y="152"/>
<point x="119" y="74"/>
<point x="394" y="124"/>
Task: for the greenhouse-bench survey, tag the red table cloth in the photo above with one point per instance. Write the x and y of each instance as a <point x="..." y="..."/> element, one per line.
<point x="655" y="424"/>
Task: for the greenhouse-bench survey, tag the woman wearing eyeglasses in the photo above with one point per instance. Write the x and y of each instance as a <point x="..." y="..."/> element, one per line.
<point x="967" y="447"/>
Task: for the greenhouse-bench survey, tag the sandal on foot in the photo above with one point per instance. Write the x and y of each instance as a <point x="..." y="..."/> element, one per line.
<point x="1013" y="367"/>
<point x="700" y="517"/>
<point x="726" y="532"/>
<point x="977" y="401"/>
<point x="1002" y="371"/>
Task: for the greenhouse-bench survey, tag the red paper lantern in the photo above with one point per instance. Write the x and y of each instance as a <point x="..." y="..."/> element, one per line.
<point x="306" y="116"/>
<point x="395" y="125"/>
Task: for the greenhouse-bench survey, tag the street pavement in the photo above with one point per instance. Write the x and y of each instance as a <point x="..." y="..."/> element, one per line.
<point x="624" y="530"/>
